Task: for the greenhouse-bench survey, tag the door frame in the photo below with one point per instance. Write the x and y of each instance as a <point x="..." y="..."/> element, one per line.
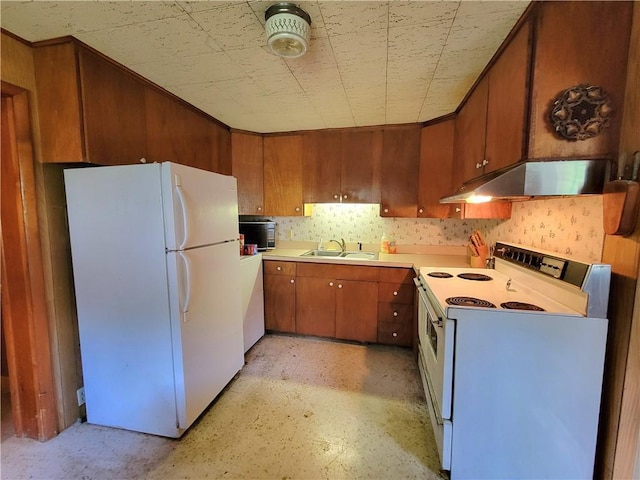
<point x="24" y="303"/>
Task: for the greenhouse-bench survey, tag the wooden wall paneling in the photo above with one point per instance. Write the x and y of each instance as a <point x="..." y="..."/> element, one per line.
<point x="220" y="138"/>
<point x="59" y="108"/>
<point x="398" y="181"/>
<point x="113" y="104"/>
<point x="436" y="169"/>
<point x="321" y="167"/>
<point x="578" y="43"/>
<point x="246" y="154"/>
<point x="360" y="166"/>
<point x="620" y="410"/>
<point x="283" y="156"/>
<point x="24" y="301"/>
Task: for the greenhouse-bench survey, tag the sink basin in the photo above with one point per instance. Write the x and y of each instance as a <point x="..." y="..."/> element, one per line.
<point x="322" y="253"/>
<point x="338" y="254"/>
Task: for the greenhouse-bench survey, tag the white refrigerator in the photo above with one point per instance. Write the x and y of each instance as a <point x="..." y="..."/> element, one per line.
<point x="155" y="264"/>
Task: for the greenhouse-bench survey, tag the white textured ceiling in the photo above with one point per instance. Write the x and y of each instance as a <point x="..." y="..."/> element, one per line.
<point x="369" y="62"/>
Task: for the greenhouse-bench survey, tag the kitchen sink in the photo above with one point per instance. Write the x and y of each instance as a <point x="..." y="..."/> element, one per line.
<point x="338" y="254"/>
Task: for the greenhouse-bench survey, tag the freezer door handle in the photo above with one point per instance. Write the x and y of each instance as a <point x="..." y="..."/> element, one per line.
<point x="185" y="216"/>
<point x="184" y="304"/>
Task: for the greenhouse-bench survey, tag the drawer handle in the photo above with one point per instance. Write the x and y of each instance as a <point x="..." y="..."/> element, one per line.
<point x="292" y="281"/>
<point x="395" y="294"/>
<point x="395" y="334"/>
<point x="395" y="314"/>
<point x="278" y="268"/>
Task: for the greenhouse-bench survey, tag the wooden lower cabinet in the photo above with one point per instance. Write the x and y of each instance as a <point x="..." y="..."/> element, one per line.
<point x="280" y="296"/>
<point x="360" y="303"/>
<point x="316" y="306"/>
<point x="356" y="311"/>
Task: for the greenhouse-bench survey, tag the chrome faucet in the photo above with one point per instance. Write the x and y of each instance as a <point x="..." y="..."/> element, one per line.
<point x="343" y="245"/>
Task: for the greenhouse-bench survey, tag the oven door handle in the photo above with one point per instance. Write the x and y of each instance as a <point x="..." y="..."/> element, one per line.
<point x="435" y="319"/>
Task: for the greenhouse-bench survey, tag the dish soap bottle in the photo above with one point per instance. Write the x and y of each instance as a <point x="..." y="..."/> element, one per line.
<point x="392" y="244"/>
<point x="384" y="243"/>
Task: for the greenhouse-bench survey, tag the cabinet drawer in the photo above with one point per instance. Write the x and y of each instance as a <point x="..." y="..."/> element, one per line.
<point x="272" y="267"/>
<point x="396" y="275"/>
<point x="395" y="312"/>
<point x="337" y="272"/>
<point x="392" y="333"/>
<point x="395" y="292"/>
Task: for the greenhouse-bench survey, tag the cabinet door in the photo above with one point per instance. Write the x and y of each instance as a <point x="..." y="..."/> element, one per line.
<point x="400" y="163"/>
<point x="113" y="110"/>
<point x="315" y="306"/>
<point x="246" y="159"/>
<point x="321" y="167"/>
<point x="470" y="134"/>
<point x="357" y="311"/>
<point x="360" y="166"/>
<point x="279" y="303"/>
<point x="176" y="133"/>
<point x="507" y="104"/>
<point x="436" y="170"/>
<point x="283" y="175"/>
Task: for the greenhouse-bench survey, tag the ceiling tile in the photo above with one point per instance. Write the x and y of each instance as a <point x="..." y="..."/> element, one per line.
<point x="351" y="17"/>
<point x="232" y="26"/>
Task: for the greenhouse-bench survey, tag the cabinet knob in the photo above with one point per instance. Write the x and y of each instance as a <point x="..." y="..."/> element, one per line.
<point x="143" y="160"/>
<point x="339" y="285"/>
<point x="259" y="209"/>
<point x="395" y="334"/>
<point x="458" y="209"/>
<point x="331" y="284"/>
<point x="420" y="210"/>
<point x="292" y="280"/>
<point x="336" y="196"/>
<point x="478" y="165"/>
<point x="485" y="162"/>
<point x="386" y="210"/>
<point x="395" y="314"/>
<point x="278" y="268"/>
<point x="345" y="196"/>
<point x="395" y="294"/>
<point x="297" y="209"/>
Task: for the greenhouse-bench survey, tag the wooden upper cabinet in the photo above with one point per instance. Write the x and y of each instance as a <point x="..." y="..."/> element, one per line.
<point x="470" y="135"/>
<point x="90" y="109"/>
<point x="283" y="155"/>
<point x="342" y="166"/>
<point x="247" y="167"/>
<point x="578" y="43"/>
<point x="175" y="133"/>
<point x="400" y="165"/>
<point x="507" y="104"/>
<point x="321" y="166"/>
<point x="436" y="170"/>
<point x="360" y="165"/>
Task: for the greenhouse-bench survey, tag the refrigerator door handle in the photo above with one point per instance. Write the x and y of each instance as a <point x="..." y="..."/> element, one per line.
<point x="185" y="217"/>
<point x="187" y="284"/>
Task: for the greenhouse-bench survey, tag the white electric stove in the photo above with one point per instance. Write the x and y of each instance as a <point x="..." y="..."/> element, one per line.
<point x="512" y="360"/>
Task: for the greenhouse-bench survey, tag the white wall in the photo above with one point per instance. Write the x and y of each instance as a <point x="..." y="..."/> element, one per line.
<point x="569" y="226"/>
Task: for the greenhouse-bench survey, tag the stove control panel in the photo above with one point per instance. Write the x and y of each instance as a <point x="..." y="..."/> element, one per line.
<point x="563" y="269"/>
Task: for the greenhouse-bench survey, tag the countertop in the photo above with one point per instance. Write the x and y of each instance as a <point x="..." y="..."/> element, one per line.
<point x="404" y="260"/>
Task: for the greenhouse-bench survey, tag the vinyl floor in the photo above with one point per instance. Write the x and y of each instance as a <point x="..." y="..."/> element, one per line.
<point x="301" y="408"/>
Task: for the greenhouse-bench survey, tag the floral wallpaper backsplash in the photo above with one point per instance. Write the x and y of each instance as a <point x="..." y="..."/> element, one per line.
<point x="568" y="226"/>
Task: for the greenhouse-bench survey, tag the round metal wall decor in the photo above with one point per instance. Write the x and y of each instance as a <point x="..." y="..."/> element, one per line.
<point x="581" y="112"/>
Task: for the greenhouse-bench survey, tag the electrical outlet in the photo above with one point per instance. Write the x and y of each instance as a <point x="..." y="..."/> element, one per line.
<point x="80" y="394"/>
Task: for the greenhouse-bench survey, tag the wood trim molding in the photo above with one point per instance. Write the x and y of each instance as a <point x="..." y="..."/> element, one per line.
<point x="24" y="305"/>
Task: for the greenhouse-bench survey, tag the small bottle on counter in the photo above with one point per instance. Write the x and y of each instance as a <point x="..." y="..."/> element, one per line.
<point x="384" y="243"/>
<point x="392" y="244"/>
<point x="241" y="244"/>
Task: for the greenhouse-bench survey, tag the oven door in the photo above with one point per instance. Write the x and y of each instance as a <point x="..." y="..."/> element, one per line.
<point x="436" y="334"/>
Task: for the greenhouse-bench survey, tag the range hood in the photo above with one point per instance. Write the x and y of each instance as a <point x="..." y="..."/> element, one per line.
<point x="534" y="179"/>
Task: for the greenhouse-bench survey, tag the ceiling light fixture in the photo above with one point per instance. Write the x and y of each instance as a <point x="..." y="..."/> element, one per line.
<point x="287" y="27"/>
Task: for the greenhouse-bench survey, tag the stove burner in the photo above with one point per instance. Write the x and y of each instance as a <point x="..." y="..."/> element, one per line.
<point x="480" y="277"/>
<point x="440" y="274"/>
<point x="521" y="306"/>
<point x="469" y="302"/>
